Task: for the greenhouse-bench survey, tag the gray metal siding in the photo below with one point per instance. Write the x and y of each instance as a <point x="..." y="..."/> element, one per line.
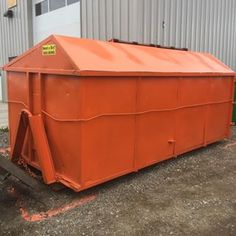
<point x="200" y="25"/>
<point x="16" y="30"/>
<point x="15" y="33"/>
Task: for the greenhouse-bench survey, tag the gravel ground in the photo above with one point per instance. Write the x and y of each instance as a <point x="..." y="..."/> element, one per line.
<point x="3" y="138"/>
<point x="194" y="194"/>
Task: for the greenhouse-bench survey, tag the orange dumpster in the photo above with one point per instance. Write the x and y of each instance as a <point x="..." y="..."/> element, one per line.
<point x="84" y="111"/>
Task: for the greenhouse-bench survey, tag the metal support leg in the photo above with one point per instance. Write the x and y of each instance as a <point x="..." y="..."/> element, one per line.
<point x="35" y="123"/>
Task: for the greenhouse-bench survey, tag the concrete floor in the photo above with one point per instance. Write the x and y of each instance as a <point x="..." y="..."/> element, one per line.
<point x="194" y="194"/>
<point x="3" y="115"/>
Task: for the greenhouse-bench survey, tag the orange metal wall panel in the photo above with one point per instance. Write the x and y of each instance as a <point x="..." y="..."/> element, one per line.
<point x="62" y="100"/>
<point x="107" y="148"/>
<point x="62" y="96"/>
<point x="101" y="128"/>
<point x="221" y="89"/>
<point x="18" y="94"/>
<point x="218" y="122"/>
<point x="154" y="135"/>
<point x="107" y="141"/>
<point x="65" y="142"/>
<point x="190" y="129"/>
<point x="108" y="95"/>
<point x="154" y="128"/>
<point x="193" y="93"/>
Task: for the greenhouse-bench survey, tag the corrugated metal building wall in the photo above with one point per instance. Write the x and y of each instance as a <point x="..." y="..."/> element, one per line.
<point x="16" y="33"/>
<point x="200" y="25"/>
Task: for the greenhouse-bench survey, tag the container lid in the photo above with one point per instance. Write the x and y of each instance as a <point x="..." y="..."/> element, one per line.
<point x="85" y="57"/>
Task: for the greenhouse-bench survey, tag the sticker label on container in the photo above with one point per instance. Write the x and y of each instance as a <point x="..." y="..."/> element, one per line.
<point x="49" y="50"/>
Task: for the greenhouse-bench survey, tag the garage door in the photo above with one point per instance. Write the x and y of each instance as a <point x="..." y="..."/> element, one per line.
<point x="56" y="17"/>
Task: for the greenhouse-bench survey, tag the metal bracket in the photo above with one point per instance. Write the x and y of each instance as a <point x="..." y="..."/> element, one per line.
<point x="35" y="123"/>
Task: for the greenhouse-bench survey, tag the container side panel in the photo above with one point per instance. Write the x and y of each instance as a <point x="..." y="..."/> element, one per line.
<point x="108" y="138"/>
<point x="62" y="96"/>
<point x="190" y="123"/>
<point x="102" y="128"/>
<point x="17" y="87"/>
<point x="108" y="95"/>
<point x="107" y="148"/>
<point x="221" y="89"/>
<point x="218" y="122"/>
<point x="17" y="97"/>
<point x="193" y="91"/>
<point x="220" y="93"/>
<point x="64" y="141"/>
<point x="157" y="93"/>
<point x="157" y="97"/>
<point x="190" y="129"/>
<point x="154" y="138"/>
<point x="234" y="111"/>
<point x="108" y="127"/>
<point x="61" y="104"/>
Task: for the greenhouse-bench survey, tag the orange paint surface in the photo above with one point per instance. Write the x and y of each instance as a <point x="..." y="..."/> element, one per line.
<point x="99" y="110"/>
<point x="56" y="211"/>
